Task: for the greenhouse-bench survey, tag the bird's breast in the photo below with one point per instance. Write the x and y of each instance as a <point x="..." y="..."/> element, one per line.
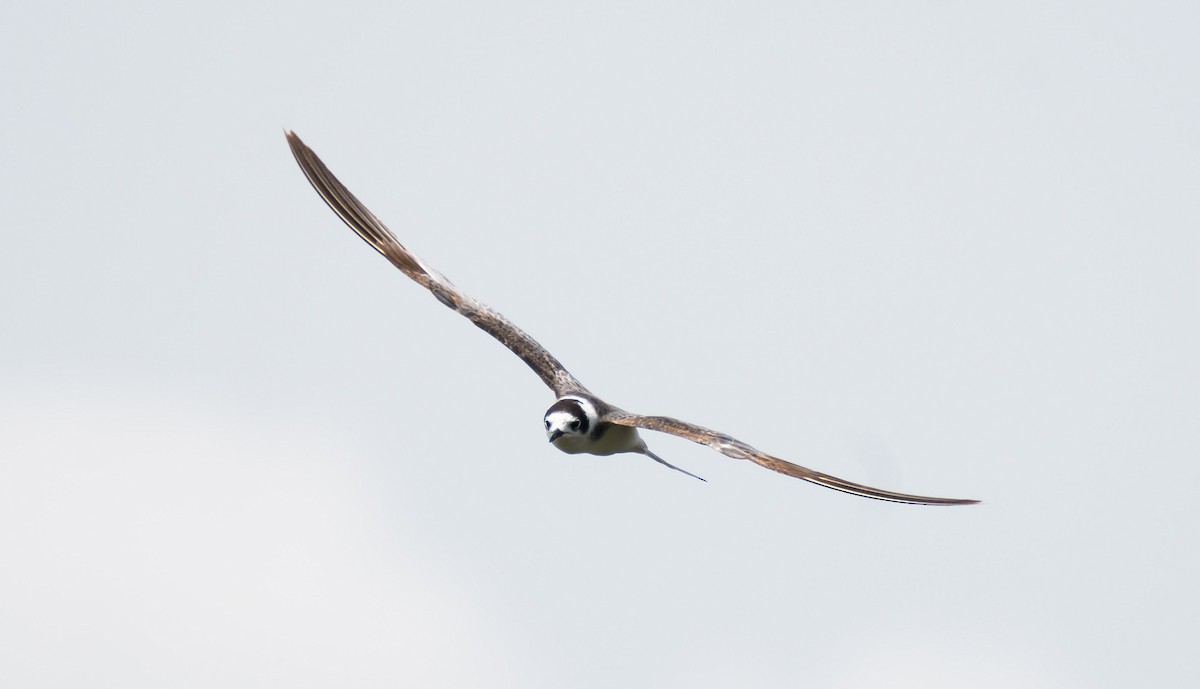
<point x="610" y="440"/>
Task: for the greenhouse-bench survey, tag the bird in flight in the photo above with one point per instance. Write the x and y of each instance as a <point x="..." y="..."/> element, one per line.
<point x="578" y="421"/>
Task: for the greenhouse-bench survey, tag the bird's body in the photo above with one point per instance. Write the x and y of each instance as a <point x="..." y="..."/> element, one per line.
<point x="610" y="439"/>
<point x="575" y="426"/>
<point x="581" y="423"/>
<point x="578" y="422"/>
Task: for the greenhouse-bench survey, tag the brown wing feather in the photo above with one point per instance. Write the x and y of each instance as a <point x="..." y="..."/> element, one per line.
<point x="366" y="225"/>
<point x="732" y="447"/>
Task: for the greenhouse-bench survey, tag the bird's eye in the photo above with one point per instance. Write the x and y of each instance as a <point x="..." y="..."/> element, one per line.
<point x="547" y="424"/>
<point x="574" y="425"/>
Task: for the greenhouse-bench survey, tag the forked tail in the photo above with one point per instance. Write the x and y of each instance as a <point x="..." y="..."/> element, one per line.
<point x="646" y="451"/>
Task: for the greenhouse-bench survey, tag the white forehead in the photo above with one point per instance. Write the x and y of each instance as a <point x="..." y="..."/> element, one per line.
<point x="560" y="418"/>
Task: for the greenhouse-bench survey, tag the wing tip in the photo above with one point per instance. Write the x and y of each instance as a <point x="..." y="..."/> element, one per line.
<point x="294" y="142"/>
<point x="891" y="496"/>
<point x="950" y="502"/>
<point x="903" y="498"/>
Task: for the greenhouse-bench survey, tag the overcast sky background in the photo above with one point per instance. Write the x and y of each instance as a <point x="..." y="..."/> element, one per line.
<point x="939" y="247"/>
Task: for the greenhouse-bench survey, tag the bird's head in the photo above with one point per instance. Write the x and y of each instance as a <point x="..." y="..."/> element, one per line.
<point x="570" y="417"/>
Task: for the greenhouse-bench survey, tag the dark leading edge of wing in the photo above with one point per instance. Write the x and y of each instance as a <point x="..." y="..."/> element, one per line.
<point x="375" y="233"/>
<point x="732" y="447"/>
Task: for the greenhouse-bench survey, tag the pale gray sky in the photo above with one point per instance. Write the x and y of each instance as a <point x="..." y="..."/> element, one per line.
<point x="945" y="248"/>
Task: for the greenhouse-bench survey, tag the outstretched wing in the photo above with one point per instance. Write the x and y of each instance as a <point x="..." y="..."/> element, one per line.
<point x="732" y="447"/>
<point x="375" y="233"/>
